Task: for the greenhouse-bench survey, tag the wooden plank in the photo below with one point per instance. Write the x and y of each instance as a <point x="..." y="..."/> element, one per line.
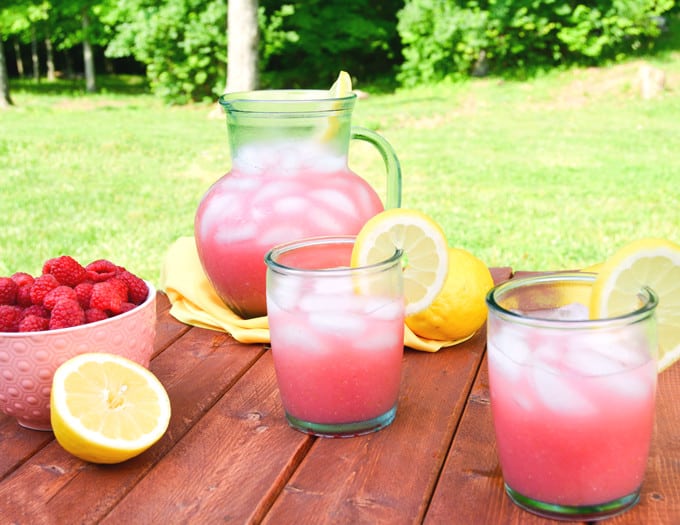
<point x="54" y="486"/>
<point x="18" y="444"/>
<point x="229" y="467"/>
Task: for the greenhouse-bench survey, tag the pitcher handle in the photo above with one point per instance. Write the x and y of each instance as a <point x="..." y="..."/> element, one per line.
<point x="392" y="165"/>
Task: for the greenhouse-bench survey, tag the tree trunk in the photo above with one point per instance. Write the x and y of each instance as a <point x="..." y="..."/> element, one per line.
<point x="242" y="36"/>
<point x="34" y="55"/>
<point x="20" y="61"/>
<point x="5" y="99"/>
<point x="88" y="57"/>
<point x="50" y="60"/>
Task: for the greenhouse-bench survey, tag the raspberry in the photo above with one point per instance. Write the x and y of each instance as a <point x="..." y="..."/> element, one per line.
<point x="57" y="294"/>
<point x="24" y="295"/>
<point x="84" y="292"/>
<point x="126" y="307"/>
<point x="138" y="291"/>
<point x="101" y="270"/>
<point x="22" y="278"/>
<point x="106" y="296"/>
<point x="66" y="269"/>
<point x="66" y="313"/>
<point x="42" y="286"/>
<point x="8" y="290"/>
<point x="93" y="315"/>
<point x="34" y="323"/>
<point x="36" y="309"/>
<point x="10" y="316"/>
<point x="120" y="287"/>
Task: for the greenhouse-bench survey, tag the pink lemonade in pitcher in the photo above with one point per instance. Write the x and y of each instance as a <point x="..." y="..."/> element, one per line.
<point x="289" y="180"/>
<point x="295" y="191"/>
<point x="573" y="417"/>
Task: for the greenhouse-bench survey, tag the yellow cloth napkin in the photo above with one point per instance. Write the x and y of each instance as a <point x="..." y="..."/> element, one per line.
<point x="195" y="302"/>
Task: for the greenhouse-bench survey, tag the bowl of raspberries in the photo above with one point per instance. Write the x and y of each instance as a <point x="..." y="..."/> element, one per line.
<point x="68" y="309"/>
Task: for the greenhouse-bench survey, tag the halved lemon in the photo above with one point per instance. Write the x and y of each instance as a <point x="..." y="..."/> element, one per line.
<point x="425" y="248"/>
<point x="652" y="263"/>
<point x="106" y="408"/>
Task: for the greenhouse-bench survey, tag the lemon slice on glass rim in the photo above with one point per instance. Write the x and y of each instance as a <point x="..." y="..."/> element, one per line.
<point x="425" y="261"/>
<point x="105" y="408"/>
<point x="652" y="263"/>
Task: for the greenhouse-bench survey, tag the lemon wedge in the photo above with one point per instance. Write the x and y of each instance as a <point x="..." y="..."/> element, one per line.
<point x="425" y="260"/>
<point x="340" y="89"/>
<point x="106" y="408"/>
<point x="652" y="263"/>
<point x="342" y="85"/>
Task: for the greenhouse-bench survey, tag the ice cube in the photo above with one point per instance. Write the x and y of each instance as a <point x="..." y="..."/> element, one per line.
<point x="220" y="208"/>
<point x="559" y="394"/>
<point x="567" y="312"/>
<point x="335" y="200"/>
<point x="227" y="234"/>
<point x="637" y="384"/>
<point x="327" y="221"/>
<point x="271" y="191"/>
<point x="583" y="360"/>
<point x="340" y="285"/>
<point x="326" y="302"/>
<point x="295" y="336"/>
<point x="348" y="326"/>
<point x="379" y="340"/>
<point x="284" y="293"/>
<point x="251" y="159"/>
<point x="279" y="234"/>
<point x="628" y="346"/>
<point x="290" y="205"/>
<point x="383" y="309"/>
<point x="500" y="363"/>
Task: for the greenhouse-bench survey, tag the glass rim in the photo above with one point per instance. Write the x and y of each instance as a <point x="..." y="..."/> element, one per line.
<point x="649" y="298"/>
<point x="285" y="100"/>
<point x="280" y="249"/>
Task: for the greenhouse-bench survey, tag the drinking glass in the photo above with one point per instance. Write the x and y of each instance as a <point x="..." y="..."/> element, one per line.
<point x="337" y="336"/>
<point x="572" y="398"/>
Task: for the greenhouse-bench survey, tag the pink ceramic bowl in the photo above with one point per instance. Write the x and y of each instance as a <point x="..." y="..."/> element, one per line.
<point x="28" y="360"/>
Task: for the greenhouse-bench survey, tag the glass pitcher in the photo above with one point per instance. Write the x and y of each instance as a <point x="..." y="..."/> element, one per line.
<point x="289" y="179"/>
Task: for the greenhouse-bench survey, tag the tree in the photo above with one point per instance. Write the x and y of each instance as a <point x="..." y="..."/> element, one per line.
<point x="5" y="99"/>
<point x="242" y="46"/>
<point x="182" y="43"/>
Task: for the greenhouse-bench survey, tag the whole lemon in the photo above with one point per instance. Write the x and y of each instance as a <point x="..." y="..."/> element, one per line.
<point x="459" y="310"/>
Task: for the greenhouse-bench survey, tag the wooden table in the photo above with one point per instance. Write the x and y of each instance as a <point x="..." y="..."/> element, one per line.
<point x="229" y="456"/>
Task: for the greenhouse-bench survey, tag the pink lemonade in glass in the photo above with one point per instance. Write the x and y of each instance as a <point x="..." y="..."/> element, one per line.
<point x="573" y="404"/>
<point x="337" y="337"/>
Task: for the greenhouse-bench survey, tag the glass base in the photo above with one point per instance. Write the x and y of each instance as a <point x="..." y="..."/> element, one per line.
<point x="574" y="513"/>
<point x="343" y="430"/>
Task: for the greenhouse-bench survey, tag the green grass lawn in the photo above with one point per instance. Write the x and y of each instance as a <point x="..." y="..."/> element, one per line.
<point x="552" y="173"/>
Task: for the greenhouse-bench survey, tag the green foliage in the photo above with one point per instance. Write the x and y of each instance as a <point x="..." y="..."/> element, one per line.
<point x="453" y="38"/>
<point x="182" y="43"/>
<point x="306" y="42"/>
